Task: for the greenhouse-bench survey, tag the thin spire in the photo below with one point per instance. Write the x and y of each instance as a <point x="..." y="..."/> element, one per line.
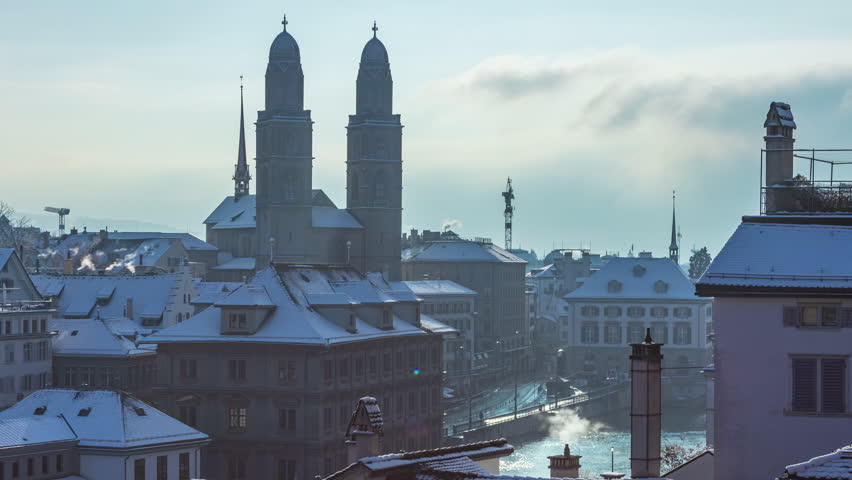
<point x="673" y="246"/>
<point x="375" y="29"/>
<point x="284" y="22"/>
<point x="241" y="171"/>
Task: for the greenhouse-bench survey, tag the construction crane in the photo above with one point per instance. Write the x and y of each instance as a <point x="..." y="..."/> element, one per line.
<point x="61" y="212"/>
<point x="508" y="196"/>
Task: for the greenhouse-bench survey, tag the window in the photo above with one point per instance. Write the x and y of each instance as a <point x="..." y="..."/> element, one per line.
<point x="344" y="369"/>
<point x="612" y="333"/>
<point x="635" y="312"/>
<point x="682" y="312"/>
<point x="661" y="286"/>
<point x="372" y="365"/>
<point x="817" y="316"/>
<point x="139" y="469"/>
<point x="326" y="418"/>
<point x="237" y="468"/>
<point x="819" y="385"/>
<point x="682" y="334"/>
<point x="287" y="419"/>
<point x="286" y="370"/>
<point x="589" y="311"/>
<point x="659" y="312"/>
<point x="359" y="367"/>
<point x="15" y="470"/>
<point x="28" y="352"/>
<point x="26" y="325"/>
<point x="162" y="467"/>
<point x="612" y="311"/>
<point x="614" y="286"/>
<point x="387" y="366"/>
<point x="60" y="463"/>
<point x="328" y="370"/>
<point x="188" y="414"/>
<point x="8" y="327"/>
<point x="42" y="351"/>
<point x="45" y="464"/>
<point x="183" y="466"/>
<point x="30" y="467"/>
<point x="107" y="377"/>
<point x="589" y="332"/>
<point x="237" y="369"/>
<point x="659" y="332"/>
<point x="638" y="270"/>
<point x="237" y="320"/>
<point x="237" y="417"/>
<point x="386" y="319"/>
<point x="188" y="368"/>
<point x="10" y="353"/>
<point x="286" y="469"/>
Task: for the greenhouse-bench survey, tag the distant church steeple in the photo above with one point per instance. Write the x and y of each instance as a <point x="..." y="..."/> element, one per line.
<point x="674" y="249"/>
<point x="241" y="170"/>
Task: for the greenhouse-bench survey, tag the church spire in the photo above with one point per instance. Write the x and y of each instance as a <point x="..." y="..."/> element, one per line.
<point x="241" y="171"/>
<point x="674" y="249"/>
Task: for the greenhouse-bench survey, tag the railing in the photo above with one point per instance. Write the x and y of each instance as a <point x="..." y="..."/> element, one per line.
<point x="812" y="197"/>
<point x="538" y="408"/>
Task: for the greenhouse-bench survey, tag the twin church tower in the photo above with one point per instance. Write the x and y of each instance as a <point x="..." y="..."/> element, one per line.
<point x="288" y="220"/>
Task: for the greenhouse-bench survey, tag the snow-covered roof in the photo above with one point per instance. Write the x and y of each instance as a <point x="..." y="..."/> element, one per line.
<point x="239" y="263"/>
<point x="835" y="465"/>
<point x="367" y="418"/>
<point x="106" y="419"/>
<point x="234" y="213"/>
<point x="247" y="296"/>
<point x="435" y="326"/>
<point x="189" y="241"/>
<point x="459" y="251"/>
<point x="208" y="287"/>
<point x="779" y="115"/>
<point x="294" y="319"/>
<point x="428" y="288"/>
<point x="546" y="271"/>
<point x="331" y="217"/>
<point x="107" y="337"/>
<point x="146" y="254"/>
<point x="78" y="294"/>
<point x="761" y="256"/>
<point x="5" y="255"/>
<point x="637" y="278"/>
<point x="34" y="430"/>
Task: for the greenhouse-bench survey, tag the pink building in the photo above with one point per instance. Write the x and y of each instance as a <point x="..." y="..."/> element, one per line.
<point x="783" y="323"/>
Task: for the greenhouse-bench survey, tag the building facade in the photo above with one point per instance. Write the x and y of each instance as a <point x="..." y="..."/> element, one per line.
<point x="501" y="323"/>
<point x="613" y="309"/>
<point x="271" y="371"/>
<point x="287" y="220"/>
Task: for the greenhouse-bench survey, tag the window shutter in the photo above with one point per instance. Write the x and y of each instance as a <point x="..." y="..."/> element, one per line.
<point x="833" y="385"/>
<point x="804" y="384"/>
<point x="846" y="317"/>
<point x="791" y="316"/>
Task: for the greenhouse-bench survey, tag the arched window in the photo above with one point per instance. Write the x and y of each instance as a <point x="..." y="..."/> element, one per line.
<point x="289" y="187"/>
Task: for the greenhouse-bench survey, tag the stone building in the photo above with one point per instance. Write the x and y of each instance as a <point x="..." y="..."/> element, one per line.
<point x="612" y="309"/>
<point x="288" y="220"/>
<point x="497" y="277"/>
<point x="272" y="370"/>
<point x="24" y="332"/>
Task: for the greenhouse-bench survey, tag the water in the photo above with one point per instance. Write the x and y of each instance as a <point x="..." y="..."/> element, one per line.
<point x="530" y="458"/>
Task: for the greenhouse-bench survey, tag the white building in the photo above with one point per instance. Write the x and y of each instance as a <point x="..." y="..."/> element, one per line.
<point x="152" y="301"/>
<point x="24" y="332"/>
<point x="117" y="436"/>
<point x="613" y="308"/>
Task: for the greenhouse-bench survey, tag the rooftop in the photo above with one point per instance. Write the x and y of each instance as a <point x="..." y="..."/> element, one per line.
<point x="108" y="337"/>
<point x="835" y="465"/>
<point x="106" y="419"/>
<point x="637" y="278"/>
<point x="427" y="288"/>
<point x="15" y="432"/>
<point x="459" y="251"/>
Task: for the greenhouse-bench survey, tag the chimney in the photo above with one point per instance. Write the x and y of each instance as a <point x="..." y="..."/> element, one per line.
<point x="74" y="231"/>
<point x="565" y="465"/>
<point x="779" y="151"/>
<point x="645" y="408"/>
<point x="68" y="266"/>
<point x="364" y="433"/>
<point x="104" y="234"/>
<point x="128" y="308"/>
<point x="141" y="257"/>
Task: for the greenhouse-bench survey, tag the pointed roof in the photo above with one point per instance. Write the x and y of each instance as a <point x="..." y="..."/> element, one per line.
<point x="241" y="172"/>
<point x="673" y="245"/>
<point x="367" y="418"/>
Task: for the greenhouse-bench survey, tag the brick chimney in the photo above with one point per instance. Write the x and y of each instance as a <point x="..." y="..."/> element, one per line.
<point x="68" y="266"/>
<point x="365" y="431"/>
<point x="128" y="308"/>
<point x="645" y="408"/>
<point x="565" y="465"/>
<point x="779" y="140"/>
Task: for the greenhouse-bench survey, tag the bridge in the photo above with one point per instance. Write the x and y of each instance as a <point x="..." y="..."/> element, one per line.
<point x="533" y="419"/>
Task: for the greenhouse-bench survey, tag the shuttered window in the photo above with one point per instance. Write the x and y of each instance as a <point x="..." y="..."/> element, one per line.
<point x="804" y="384"/>
<point x="817" y="316"/>
<point x="819" y="385"/>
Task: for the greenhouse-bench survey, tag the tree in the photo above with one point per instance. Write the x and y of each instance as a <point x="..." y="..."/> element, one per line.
<point x="675" y="455"/>
<point x="17" y="232"/>
<point x="698" y="262"/>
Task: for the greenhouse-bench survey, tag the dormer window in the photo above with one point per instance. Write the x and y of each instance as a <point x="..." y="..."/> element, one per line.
<point x="237" y="321"/>
<point x="638" y="271"/>
<point x="387" y="322"/>
<point x="661" y="286"/>
<point x="352" y="327"/>
<point x="614" y="286"/>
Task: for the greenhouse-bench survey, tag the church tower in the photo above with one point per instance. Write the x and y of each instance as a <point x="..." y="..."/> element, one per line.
<point x="284" y="157"/>
<point x="242" y="177"/>
<point x="374" y="164"/>
<point x="674" y="248"/>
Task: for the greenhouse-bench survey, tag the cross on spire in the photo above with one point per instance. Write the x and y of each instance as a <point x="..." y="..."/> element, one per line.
<point x="375" y="29"/>
<point x="284" y="22"/>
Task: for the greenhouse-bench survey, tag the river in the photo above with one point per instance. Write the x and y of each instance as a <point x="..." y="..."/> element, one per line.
<point x="530" y="458"/>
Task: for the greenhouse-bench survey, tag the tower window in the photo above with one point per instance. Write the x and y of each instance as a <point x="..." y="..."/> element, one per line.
<point x="380" y="191"/>
<point x="289" y="187"/>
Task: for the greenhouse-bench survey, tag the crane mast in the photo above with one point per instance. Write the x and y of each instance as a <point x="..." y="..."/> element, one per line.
<point x="61" y="212"/>
<point x="508" y="196"/>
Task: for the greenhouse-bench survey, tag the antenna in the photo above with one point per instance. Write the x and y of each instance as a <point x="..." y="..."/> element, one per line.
<point x="508" y="212"/>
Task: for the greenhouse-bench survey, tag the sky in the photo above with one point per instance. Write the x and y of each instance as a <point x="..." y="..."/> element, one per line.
<point x="127" y="112"/>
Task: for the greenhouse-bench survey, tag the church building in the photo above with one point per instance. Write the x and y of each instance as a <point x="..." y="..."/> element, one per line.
<point x="290" y="221"/>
